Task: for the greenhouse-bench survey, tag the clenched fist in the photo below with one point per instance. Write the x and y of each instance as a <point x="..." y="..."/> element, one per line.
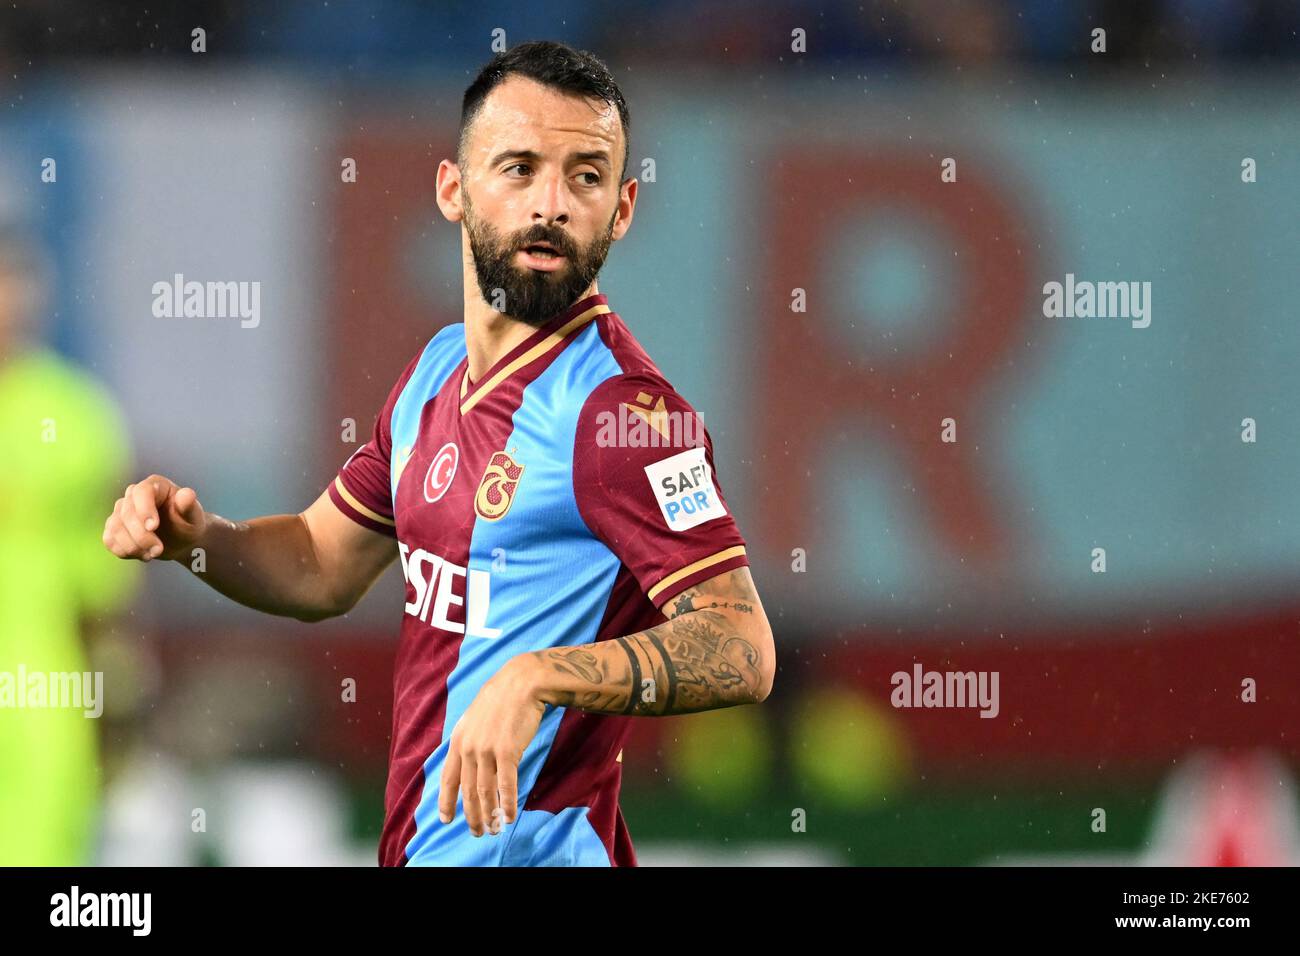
<point x="154" y="518"/>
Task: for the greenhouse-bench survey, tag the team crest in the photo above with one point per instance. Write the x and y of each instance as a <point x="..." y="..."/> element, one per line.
<point x="497" y="489"/>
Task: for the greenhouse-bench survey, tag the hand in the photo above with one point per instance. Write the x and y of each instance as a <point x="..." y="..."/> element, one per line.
<point x="486" y="747"/>
<point x="154" y="518"/>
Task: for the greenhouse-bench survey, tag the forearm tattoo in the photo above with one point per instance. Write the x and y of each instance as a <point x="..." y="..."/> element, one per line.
<point x="696" y="660"/>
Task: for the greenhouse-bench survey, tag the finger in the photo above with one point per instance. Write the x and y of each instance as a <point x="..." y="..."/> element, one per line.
<point x="508" y="785"/>
<point x="121" y="530"/>
<point x="187" y="505"/>
<point x="134" y="524"/>
<point x="109" y="536"/>
<point x="145" y="498"/>
<point x="447" y="786"/>
<point x="486" y="791"/>
<point x="131" y="519"/>
<point x="123" y="546"/>
<point x="469" y="794"/>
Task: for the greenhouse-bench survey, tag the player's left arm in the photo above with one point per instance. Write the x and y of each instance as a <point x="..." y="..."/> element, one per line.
<point x="715" y="650"/>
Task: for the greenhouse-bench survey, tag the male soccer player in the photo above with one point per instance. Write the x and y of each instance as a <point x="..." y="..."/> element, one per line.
<point x="562" y="574"/>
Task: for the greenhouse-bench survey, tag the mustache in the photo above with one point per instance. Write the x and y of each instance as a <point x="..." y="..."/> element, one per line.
<point x="556" y="238"/>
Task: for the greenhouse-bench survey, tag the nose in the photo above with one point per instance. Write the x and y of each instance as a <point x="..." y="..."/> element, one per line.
<point x="552" y="200"/>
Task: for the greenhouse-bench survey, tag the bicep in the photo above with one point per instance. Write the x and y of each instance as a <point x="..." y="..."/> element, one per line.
<point x="731" y="592"/>
<point x="724" y="612"/>
<point x="349" y="556"/>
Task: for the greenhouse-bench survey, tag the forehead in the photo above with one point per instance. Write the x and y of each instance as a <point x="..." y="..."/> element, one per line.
<point x="522" y="113"/>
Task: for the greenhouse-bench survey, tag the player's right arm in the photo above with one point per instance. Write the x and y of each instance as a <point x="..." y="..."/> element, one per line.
<point x="310" y="566"/>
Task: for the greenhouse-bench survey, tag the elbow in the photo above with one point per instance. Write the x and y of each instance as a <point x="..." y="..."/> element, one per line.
<point x="341" y="596"/>
<point x="324" y="610"/>
<point x="312" y="615"/>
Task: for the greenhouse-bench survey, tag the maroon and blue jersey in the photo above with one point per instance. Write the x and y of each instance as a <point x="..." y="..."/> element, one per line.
<point x="562" y="499"/>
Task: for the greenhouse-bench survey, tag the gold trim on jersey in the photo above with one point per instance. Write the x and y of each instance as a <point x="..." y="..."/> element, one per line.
<point x="362" y="509"/>
<point x="534" y="353"/>
<point x="690" y="569"/>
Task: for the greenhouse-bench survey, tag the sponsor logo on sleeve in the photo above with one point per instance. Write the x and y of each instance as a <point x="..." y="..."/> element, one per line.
<point x="646" y="422"/>
<point x="683" y="486"/>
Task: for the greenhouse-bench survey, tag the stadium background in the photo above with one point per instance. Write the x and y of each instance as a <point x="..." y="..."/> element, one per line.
<point x="772" y="170"/>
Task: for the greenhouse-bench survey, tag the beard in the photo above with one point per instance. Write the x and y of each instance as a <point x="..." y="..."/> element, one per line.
<point x="530" y="295"/>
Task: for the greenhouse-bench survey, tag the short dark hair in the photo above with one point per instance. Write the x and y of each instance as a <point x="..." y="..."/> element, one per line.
<point x="552" y="64"/>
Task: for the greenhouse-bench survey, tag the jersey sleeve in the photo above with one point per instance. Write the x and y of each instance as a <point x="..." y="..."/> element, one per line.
<point x="362" y="489"/>
<point x="646" y="486"/>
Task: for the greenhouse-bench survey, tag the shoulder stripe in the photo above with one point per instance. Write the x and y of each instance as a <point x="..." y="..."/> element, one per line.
<point x="698" y="566"/>
<point x="361" y="509"/>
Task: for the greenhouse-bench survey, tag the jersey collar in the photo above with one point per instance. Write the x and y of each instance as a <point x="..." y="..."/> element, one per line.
<point x="546" y="338"/>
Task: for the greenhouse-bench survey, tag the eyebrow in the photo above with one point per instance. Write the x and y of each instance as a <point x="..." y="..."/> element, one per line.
<point x="596" y="156"/>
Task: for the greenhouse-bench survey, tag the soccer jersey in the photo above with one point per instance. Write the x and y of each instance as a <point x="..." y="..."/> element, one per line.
<point x="562" y="499"/>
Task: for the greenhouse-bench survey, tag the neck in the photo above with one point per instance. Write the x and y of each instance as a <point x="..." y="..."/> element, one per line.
<point x="490" y="334"/>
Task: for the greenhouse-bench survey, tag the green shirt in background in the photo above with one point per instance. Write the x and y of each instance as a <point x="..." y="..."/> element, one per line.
<point x="64" y="454"/>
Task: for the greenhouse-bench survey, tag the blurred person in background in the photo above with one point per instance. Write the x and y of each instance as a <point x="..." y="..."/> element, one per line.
<point x="65" y="447"/>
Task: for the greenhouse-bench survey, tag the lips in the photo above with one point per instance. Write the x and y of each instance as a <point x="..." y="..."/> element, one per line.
<point x="542" y="257"/>
<point x="542" y="248"/>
